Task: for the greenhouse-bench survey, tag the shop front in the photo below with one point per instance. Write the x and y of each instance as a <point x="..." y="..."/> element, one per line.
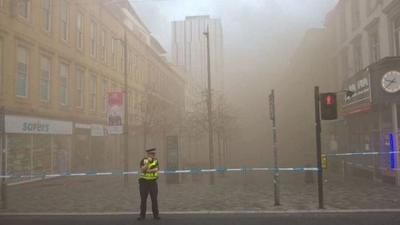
<point x="369" y="120"/>
<point x="88" y="153"/>
<point x="36" y="146"/>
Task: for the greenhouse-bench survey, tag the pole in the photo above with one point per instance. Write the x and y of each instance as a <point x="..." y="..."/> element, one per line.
<point x="3" y="159"/>
<point x="318" y="141"/>
<point x="274" y="147"/>
<point x="126" y="116"/>
<point x="209" y="107"/>
<point x="395" y="139"/>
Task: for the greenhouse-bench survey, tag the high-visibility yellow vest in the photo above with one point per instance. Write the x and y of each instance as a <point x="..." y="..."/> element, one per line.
<point x="151" y="165"/>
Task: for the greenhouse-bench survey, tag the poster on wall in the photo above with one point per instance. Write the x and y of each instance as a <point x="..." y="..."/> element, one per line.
<point x="115" y="112"/>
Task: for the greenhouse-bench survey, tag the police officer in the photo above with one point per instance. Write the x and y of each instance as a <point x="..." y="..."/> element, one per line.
<point x="148" y="183"/>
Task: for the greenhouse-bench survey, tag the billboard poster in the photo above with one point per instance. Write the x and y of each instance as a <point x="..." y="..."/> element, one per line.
<point x="115" y="112"/>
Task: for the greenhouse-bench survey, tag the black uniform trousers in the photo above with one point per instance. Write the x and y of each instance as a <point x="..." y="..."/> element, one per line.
<point x="147" y="187"/>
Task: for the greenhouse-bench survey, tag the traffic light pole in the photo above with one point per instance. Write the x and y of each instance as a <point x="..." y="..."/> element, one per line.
<point x="3" y="159"/>
<point x="318" y="142"/>
<point x="274" y="146"/>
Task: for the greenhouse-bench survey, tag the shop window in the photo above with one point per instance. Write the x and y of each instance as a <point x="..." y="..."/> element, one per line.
<point x="46" y="13"/>
<point x="45" y="73"/>
<point x="41" y="154"/>
<point x="19" y="154"/>
<point x="80" y="88"/>
<point x="61" y="153"/>
<point x="63" y="88"/>
<point x="22" y="72"/>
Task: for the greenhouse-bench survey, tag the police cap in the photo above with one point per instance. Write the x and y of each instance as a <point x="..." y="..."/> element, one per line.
<point x="151" y="150"/>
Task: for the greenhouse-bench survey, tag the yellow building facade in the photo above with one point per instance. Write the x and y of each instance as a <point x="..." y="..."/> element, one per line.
<point x="59" y="59"/>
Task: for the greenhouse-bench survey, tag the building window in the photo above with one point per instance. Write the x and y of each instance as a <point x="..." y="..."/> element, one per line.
<point x="396" y="35"/>
<point x="93" y="92"/>
<point x="103" y="52"/>
<point x="113" y="55"/>
<point x="122" y="56"/>
<point x="22" y="72"/>
<point x="371" y="5"/>
<point x="93" y="39"/>
<point x="344" y="63"/>
<point x="355" y="13"/>
<point x="64" y="20"/>
<point x="105" y="95"/>
<point x="46" y="8"/>
<point x="79" y="30"/>
<point x="24" y="8"/>
<point x="342" y="23"/>
<point x="374" y="46"/>
<point x="357" y="55"/>
<point x="63" y="91"/>
<point x="45" y="73"/>
<point x="80" y="87"/>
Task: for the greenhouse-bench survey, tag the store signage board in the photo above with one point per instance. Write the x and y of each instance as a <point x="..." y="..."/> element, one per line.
<point x="32" y="125"/>
<point x="115" y="112"/>
<point x="361" y="99"/>
<point x="97" y="130"/>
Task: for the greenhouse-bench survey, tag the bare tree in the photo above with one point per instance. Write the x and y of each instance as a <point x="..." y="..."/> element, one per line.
<point x="195" y="125"/>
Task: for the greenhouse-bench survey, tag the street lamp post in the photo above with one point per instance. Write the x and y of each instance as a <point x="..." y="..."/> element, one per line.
<point x="209" y="107"/>
<point x="126" y="111"/>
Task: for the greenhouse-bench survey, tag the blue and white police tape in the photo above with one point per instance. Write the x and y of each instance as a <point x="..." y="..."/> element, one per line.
<point x="167" y="171"/>
<point x="361" y="153"/>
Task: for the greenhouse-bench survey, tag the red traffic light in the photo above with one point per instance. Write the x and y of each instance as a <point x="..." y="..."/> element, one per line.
<point x="329" y="100"/>
<point x="328" y="106"/>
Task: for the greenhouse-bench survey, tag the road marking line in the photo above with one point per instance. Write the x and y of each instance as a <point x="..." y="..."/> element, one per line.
<point x="318" y="211"/>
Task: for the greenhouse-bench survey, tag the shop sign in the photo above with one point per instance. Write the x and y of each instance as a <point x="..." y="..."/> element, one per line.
<point x="115" y="112"/>
<point x="97" y="130"/>
<point x="31" y="125"/>
<point x="82" y="126"/>
<point x="360" y="86"/>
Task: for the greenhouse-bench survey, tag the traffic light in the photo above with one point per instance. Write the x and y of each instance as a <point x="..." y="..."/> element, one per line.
<point x="328" y="106"/>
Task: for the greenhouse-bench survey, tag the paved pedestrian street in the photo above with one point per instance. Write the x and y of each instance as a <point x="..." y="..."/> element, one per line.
<point x="302" y="218"/>
<point x="252" y="191"/>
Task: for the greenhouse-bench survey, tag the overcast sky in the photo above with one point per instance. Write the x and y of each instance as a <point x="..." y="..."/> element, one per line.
<point x="158" y="14"/>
